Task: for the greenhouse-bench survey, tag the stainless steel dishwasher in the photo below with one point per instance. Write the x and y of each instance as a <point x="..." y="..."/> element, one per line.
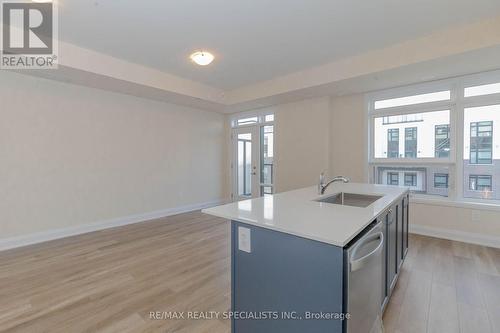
<point x="364" y="261"/>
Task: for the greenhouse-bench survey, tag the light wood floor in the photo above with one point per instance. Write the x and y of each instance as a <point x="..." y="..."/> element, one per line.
<point x="110" y="281"/>
<point x="446" y="287"/>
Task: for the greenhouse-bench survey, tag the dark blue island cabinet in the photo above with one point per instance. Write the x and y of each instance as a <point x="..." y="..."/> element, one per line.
<point x="283" y="283"/>
<point x="280" y="280"/>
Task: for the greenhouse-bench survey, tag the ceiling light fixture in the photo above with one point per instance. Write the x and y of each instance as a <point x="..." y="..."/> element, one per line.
<point x="202" y="58"/>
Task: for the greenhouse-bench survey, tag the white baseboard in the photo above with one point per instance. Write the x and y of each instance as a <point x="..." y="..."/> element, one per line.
<point x="461" y="236"/>
<point x="44" y="236"/>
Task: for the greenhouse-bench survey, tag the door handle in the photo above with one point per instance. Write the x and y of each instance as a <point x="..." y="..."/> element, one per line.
<point x="254" y="173"/>
<point x="359" y="263"/>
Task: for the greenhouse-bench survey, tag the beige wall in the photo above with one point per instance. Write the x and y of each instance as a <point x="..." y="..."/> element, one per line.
<point x="301" y="144"/>
<point x="348" y="143"/>
<point x="348" y="135"/>
<point x="72" y="155"/>
<point x="457" y="219"/>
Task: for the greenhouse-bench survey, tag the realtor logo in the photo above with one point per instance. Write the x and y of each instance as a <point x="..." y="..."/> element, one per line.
<point x="29" y="35"/>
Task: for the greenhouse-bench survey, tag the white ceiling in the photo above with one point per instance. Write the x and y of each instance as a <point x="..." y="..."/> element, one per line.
<point x="254" y="40"/>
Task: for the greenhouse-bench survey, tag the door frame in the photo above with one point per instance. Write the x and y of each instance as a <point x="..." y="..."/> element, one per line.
<point x="255" y="174"/>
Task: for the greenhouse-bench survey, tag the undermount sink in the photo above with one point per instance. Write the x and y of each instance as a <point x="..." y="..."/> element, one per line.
<point x="350" y="199"/>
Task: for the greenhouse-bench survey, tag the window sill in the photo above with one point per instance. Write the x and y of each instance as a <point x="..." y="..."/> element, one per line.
<point x="426" y="200"/>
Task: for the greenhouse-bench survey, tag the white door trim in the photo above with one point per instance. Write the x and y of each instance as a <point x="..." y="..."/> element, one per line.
<point x="255" y="181"/>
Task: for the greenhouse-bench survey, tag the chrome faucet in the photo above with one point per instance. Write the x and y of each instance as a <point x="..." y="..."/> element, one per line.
<point x="322" y="186"/>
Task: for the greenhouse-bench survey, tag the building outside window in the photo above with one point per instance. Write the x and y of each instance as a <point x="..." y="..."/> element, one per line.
<point x="442" y="141"/>
<point x="393" y="143"/>
<point x="407" y="118"/>
<point x="480" y="183"/>
<point x="411" y="142"/>
<point x="410" y="179"/>
<point x="441" y="180"/>
<point x="415" y="178"/>
<point x="481" y="142"/>
<point x="419" y="144"/>
<point x="393" y="178"/>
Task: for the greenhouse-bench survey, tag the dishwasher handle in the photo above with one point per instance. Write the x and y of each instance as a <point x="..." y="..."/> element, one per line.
<point x="359" y="263"/>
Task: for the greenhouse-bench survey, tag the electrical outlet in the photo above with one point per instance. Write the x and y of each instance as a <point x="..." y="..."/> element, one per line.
<point x="475" y="215"/>
<point x="244" y="240"/>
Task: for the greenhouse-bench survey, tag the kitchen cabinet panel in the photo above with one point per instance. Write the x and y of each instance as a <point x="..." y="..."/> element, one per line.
<point x="400" y="235"/>
<point x="385" y="285"/>
<point x="391" y="248"/>
<point x="406" y="216"/>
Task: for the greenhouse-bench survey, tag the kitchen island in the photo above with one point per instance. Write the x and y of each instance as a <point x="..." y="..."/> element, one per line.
<point x="303" y="262"/>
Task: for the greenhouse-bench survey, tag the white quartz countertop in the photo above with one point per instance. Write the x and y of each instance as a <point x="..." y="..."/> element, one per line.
<point x="296" y="212"/>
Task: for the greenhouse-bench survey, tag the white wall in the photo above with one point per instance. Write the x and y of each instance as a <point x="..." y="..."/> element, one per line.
<point x="72" y="155"/>
<point x="301" y="142"/>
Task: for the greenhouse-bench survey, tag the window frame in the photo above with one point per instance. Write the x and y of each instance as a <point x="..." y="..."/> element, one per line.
<point x="477" y="177"/>
<point x="391" y="134"/>
<point x="477" y="125"/>
<point x="260" y="115"/>
<point x="457" y="105"/>
<point x="262" y="152"/>
<point x="259" y="126"/>
<point x="413" y="177"/>
<point x="447" y="126"/>
<point x="414" y="132"/>
<point x="389" y="178"/>
<point x="446" y="175"/>
<point x="439" y="106"/>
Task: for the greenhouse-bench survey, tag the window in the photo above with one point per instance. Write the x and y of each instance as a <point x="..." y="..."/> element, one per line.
<point x="481" y="142"/>
<point x="415" y="99"/>
<point x="406" y="118"/>
<point x="485" y="89"/>
<point x="393" y="143"/>
<point x="479" y="183"/>
<point x="410" y="179"/>
<point x="411" y="142"/>
<point x="269" y="117"/>
<point x="266" y="158"/>
<point x="414" y="177"/>
<point x="419" y="126"/>
<point x="244" y="164"/>
<point x="481" y="151"/>
<point x="247" y="121"/>
<point x="442" y="141"/>
<point x="392" y="178"/>
<point x="250" y="120"/>
<point x="440" y="180"/>
<point x="442" y="137"/>
<point x="266" y="190"/>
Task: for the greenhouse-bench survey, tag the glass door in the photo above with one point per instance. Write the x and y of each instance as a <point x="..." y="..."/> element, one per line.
<point x="266" y="157"/>
<point x="252" y="161"/>
<point x="246" y="163"/>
